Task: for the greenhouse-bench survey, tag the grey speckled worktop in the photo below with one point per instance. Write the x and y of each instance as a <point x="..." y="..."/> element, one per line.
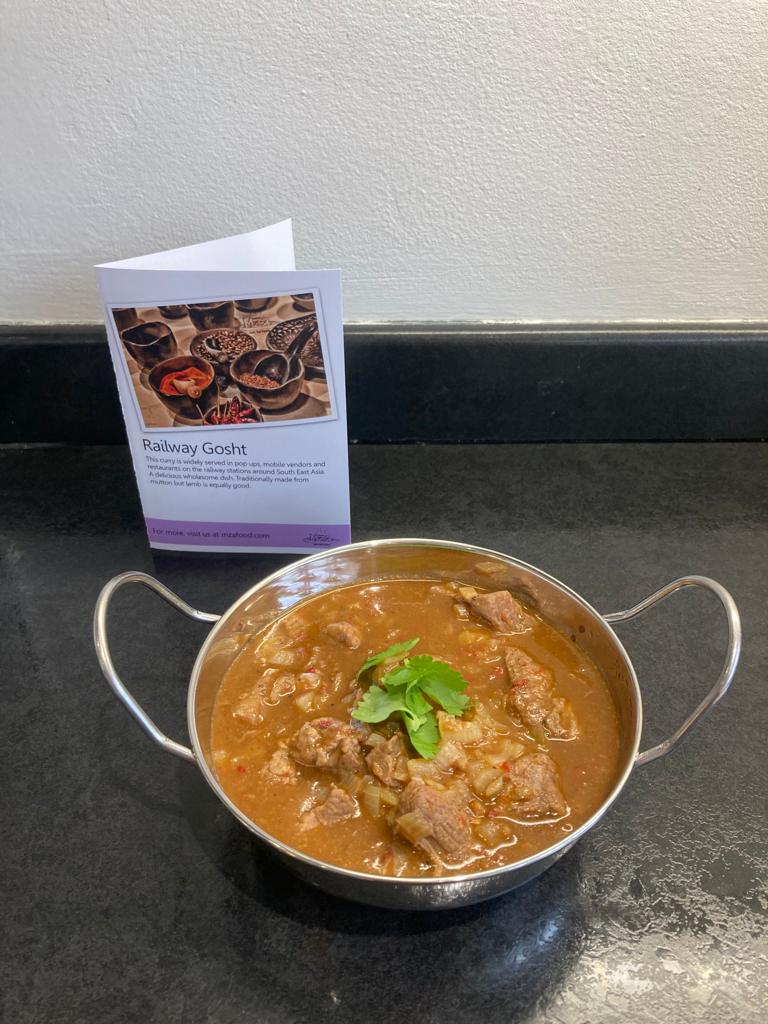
<point x="130" y="895"/>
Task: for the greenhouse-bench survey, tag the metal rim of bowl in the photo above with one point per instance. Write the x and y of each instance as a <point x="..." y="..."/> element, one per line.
<point x="363" y="876"/>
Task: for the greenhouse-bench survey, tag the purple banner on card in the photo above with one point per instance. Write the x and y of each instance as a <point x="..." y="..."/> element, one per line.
<point x="247" y="535"/>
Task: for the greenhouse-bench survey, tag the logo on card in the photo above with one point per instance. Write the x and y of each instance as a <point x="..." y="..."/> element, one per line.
<point x="319" y="540"/>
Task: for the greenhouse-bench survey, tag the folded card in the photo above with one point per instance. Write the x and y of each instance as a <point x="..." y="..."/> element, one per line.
<point x="230" y="369"/>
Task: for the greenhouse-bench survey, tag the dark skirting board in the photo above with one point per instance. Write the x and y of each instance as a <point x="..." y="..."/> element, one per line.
<point x="448" y="382"/>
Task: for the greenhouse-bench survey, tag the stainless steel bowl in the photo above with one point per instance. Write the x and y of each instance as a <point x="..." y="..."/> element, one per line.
<point x="418" y="559"/>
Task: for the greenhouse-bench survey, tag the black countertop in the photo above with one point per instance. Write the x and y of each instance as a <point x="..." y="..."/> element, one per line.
<point x="129" y="894"/>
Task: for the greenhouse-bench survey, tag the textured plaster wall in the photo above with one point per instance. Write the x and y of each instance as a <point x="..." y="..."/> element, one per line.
<point x="488" y="159"/>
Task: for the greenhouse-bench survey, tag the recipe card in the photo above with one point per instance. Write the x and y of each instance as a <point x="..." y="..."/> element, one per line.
<point x="230" y="370"/>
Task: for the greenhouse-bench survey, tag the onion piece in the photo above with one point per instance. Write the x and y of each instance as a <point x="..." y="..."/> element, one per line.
<point x="413" y="826"/>
<point x="310" y="680"/>
<point x="419" y="768"/>
<point x="371" y="800"/>
<point x="377" y="799"/>
<point x="304" y="701"/>
<point x="350" y="781"/>
<point x="488" y="832"/>
<point x="461" y="730"/>
<point x="284" y="685"/>
<point x="469" y="637"/>
<point x="507" y="750"/>
<point x="388" y="798"/>
<point x="450" y="755"/>
<point x="485" y="781"/>
<point x="284" y="658"/>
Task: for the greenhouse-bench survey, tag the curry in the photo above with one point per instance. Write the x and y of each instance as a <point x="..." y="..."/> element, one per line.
<point x="415" y="728"/>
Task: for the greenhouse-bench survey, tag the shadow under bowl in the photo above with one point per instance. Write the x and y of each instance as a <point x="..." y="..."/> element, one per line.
<point x="291" y="372"/>
<point x="182" y="405"/>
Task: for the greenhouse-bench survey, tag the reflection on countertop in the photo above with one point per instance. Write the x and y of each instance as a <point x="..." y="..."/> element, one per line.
<point x="132" y="895"/>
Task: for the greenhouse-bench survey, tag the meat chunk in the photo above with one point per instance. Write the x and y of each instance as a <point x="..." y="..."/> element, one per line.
<point x="441" y="816"/>
<point x="388" y="761"/>
<point x="533" y="699"/>
<point x="492" y="569"/>
<point x="339" y="806"/>
<point x="344" y="633"/>
<point x="280" y="766"/>
<point x="501" y="610"/>
<point x="521" y="666"/>
<point x="328" y="743"/>
<point x="535" y="788"/>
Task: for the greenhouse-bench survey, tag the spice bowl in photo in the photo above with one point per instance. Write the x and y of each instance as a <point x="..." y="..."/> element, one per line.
<point x="173" y="312"/>
<point x="185" y="385"/>
<point x="125" y="317"/>
<point x="149" y="343"/>
<point x="232" y="412"/>
<point x="272" y="380"/>
<point x="208" y="315"/>
<point x="304" y="303"/>
<point x="221" y="346"/>
<point x="299" y="336"/>
<point x="254" y="305"/>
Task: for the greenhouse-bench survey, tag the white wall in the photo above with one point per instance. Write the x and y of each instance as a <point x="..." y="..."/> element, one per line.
<point x="488" y="159"/>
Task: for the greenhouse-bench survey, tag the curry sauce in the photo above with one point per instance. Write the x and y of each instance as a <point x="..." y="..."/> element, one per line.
<point x="533" y="756"/>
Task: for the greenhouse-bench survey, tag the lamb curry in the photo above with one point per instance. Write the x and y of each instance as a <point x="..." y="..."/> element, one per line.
<point x="415" y="728"/>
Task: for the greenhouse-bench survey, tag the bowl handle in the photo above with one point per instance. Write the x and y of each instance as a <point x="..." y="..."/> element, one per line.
<point x="105" y="659"/>
<point x="731" y="656"/>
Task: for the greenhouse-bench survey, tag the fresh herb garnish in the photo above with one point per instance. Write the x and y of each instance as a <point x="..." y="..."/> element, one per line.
<point x="391" y="652"/>
<point x="404" y="691"/>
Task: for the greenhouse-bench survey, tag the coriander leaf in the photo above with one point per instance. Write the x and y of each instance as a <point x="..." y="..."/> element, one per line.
<point x="425" y="664"/>
<point x="377" y="705"/>
<point x="391" y="652"/>
<point x="404" y="690"/>
<point x="441" y="682"/>
<point x="450" y="701"/>
<point x="400" y="676"/>
<point x="416" y="703"/>
<point x="425" y="738"/>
